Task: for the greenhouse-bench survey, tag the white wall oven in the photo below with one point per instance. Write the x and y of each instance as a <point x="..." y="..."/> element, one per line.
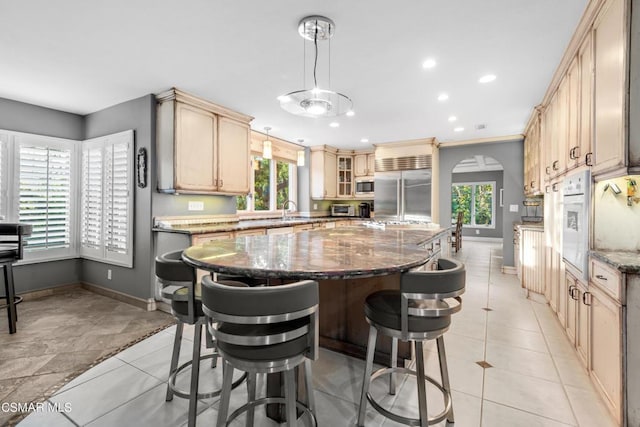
<point x="576" y="194"/>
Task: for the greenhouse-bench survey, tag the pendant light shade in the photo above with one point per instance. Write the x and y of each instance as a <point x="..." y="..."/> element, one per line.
<point x="316" y="102"/>
<point x="266" y="146"/>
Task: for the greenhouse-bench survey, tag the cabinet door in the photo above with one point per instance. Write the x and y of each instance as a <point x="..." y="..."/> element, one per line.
<point x="583" y="325"/>
<point x="562" y="121"/>
<point x="571" y="290"/>
<point x="330" y="175"/>
<point x="606" y="348"/>
<point x="609" y="39"/>
<point x="233" y="156"/>
<point x="371" y="164"/>
<point x="345" y="176"/>
<point x="586" y="101"/>
<point x="253" y="232"/>
<point x="573" y="115"/>
<point x="360" y="165"/>
<point x="195" y="142"/>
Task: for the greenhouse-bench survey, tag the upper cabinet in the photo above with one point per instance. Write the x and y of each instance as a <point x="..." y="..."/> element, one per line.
<point x="323" y="172"/>
<point x="364" y="164"/>
<point x="532" y="164"/>
<point x="201" y="146"/>
<point x="609" y="35"/>
<point x="345" y="176"/>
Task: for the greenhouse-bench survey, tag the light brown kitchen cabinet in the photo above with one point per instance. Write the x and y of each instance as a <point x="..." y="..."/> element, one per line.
<point x="364" y="164"/>
<point x="202" y="148"/>
<point x="578" y="316"/>
<point x="323" y="172"/>
<point x="532" y="157"/>
<point x="583" y="154"/>
<point x="573" y="115"/>
<point x="606" y="348"/>
<point x="250" y="232"/>
<point x="610" y="46"/>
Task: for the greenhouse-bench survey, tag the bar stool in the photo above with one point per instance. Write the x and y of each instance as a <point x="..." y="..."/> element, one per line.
<point x="264" y="330"/>
<point x="179" y="285"/>
<point x="421" y="310"/>
<point x="11" y="251"/>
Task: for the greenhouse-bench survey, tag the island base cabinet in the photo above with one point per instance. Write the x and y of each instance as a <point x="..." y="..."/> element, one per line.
<point x="606" y="349"/>
<point x="343" y="326"/>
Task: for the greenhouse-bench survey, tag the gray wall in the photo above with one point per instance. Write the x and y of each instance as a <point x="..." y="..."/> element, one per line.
<point x="21" y="117"/>
<point x="139" y="115"/>
<point x="495" y="176"/>
<point x="510" y="155"/>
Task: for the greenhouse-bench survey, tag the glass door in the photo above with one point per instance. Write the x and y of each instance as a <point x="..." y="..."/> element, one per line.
<point x="345" y="176"/>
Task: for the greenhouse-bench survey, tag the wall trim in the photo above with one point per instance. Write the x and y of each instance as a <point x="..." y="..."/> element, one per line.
<point x="55" y="290"/>
<point x="504" y="138"/>
<point x="145" y="304"/>
<point x="508" y="269"/>
<point x="482" y="239"/>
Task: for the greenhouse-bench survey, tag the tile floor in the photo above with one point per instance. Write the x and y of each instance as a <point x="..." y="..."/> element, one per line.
<point x="535" y="378"/>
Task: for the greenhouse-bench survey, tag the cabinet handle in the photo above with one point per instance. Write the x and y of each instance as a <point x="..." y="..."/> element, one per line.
<point x="548" y="170"/>
<point x="576" y="152"/>
<point x="588" y="159"/>
<point x="221" y="183"/>
<point x="525" y="188"/>
<point x="584" y="298"/>
<point x="571" y="153"/>
<point x="533" y="184"/>
<point x="601" y="277"/>
<point x="555" y="165"/>
<point x="571" y="290"/>
<point x="574" y="293"/>
<point x="547" y="189"/>
<point x="554" y="187"/>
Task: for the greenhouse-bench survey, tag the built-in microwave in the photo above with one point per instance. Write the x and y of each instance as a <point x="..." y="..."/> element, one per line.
<point x="364" y="186"/>
<point x="342" y="210"/>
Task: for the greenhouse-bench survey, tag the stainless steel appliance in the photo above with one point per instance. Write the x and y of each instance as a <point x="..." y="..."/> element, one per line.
<point x="338" y="209"/>
<point x="365" y="186"/>
<point x="403" y="195"/>
<point x="364" y="210"/>
<point x="576" y="193"/>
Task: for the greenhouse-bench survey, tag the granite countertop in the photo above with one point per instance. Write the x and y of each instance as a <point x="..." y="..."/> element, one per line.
<point x="346" y="252"/>
<point x="624" y="261"/>
<point x="245" y="225"/>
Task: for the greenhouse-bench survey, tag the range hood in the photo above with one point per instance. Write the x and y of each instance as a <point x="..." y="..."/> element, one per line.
<point x="422" y="161"/>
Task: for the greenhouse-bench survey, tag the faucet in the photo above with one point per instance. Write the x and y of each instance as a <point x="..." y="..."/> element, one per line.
<point x="284" y="208"/>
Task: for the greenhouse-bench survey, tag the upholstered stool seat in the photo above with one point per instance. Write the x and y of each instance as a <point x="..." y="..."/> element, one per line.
<point x="421" y="310"/>
<point x="264" y="330"/>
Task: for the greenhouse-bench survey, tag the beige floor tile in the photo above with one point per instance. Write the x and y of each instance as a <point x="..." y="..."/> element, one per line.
<point x="588" y="408"/>
<point x="517" y="338"/>
<point x="522" y="361"/>
<point x="496" y="415"/>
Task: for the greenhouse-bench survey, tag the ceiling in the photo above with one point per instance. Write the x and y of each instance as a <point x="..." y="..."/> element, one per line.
<point x="81" y="57"/>
<point x="478" y="163"/>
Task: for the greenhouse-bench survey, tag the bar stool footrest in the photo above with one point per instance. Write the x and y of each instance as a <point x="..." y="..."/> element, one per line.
<point x="207" y="395"/>
<point x="270" y="400"/>
<point x="406" y="420"/>
<point x="16" y="300"/>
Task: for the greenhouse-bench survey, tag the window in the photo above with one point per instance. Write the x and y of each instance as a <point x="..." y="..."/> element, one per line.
<point x="77" y="195"/>
<point x="273" y="183"/>
<point x="107" y="199"/>
<point x="477" y="202"/>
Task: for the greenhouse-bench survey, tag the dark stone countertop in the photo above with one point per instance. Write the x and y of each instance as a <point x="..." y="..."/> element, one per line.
<point x="345" y="252"/>
<point x="624" y="261"/>
<point x="246" y="225"/>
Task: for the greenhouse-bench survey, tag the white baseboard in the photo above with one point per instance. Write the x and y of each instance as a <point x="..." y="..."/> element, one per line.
<point x="145" y="304"/>
<point x="508" y="269"/>
<point x="481" y="239"/>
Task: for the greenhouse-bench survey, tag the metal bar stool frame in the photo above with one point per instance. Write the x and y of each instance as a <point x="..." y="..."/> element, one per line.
<point x="16" y="243"/>
<point x="183" y="291"/>
<point x="254" y="367"/>
<point x="411" y="304"/>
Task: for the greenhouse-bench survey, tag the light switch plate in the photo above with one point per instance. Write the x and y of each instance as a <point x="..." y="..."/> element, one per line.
<point x="514" y="208"/>
<point x="196" y="206"/>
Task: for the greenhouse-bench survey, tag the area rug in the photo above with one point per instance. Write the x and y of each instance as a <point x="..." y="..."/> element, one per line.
<point x="61" y="336"/>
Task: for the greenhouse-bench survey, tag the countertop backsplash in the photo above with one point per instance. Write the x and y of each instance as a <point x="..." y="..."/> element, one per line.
<point x="616" y="225"/>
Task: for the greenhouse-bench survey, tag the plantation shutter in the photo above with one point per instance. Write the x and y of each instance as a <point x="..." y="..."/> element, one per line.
<point x="91" y="240"/>
<point x="4" y="145"/>
<point x="107" y="199"/>
<point x="45" y="195"/>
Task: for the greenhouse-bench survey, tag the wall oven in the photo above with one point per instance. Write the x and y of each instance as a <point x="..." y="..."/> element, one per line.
<point x="576" y="194"/>
<point x="365" y="186"/>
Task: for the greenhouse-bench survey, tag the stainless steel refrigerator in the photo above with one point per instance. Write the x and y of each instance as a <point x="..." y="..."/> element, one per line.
<point x="403" y="195"/>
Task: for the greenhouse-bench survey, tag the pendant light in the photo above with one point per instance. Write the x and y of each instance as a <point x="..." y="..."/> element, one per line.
<point x="316" y="102"/>
<point x="266" y="145"/>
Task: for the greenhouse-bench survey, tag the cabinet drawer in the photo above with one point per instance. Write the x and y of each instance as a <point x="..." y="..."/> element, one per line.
<point x="606" y="278"/>
<point x="201" y="239"/>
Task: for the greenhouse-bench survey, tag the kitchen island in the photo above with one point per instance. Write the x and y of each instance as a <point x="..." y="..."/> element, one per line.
<point x="349" y="263"/>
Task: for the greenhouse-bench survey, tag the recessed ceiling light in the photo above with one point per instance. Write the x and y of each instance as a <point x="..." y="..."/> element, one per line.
<point x="364" y="140"/>
<point x="351" y="113"/>
<point x="443" y="97"/>
<point x="452" y="118"/>
<point x="458" y="129"/>
<point x="488" y="78"/>
<point x="429" y="63"/>
<point x="334" y="124"/>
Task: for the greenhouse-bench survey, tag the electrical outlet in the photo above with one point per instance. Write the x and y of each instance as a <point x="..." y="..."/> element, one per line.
<point x="109" y="274"/>
<point x="477" y="231"/>
<point x="196" y="206"/>
<point x="514" y="208"/>
<point x="315" y="206"/>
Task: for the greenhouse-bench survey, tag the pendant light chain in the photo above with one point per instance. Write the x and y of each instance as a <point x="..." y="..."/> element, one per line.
<point x="315" y="61"/>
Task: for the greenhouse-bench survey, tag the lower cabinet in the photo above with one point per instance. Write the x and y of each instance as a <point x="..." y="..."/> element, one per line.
<point x="606" y="348"/>
<point x="578" y="316"/>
